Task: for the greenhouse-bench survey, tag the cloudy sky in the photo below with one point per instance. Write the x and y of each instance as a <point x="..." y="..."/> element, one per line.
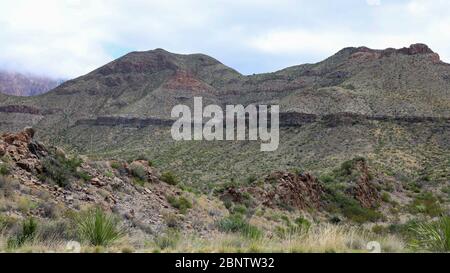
<point x="68" y="38"/>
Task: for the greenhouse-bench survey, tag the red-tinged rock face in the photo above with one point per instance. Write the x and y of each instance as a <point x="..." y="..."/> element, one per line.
<point x="22" y="138"/>
<point x="419" y="49"/>
<point x="298" y="191"/>
<point x="365" y="56"/>
<point x="22" y="150"/>
<point x="365" y="192"/>
<point x="184" y="81"/>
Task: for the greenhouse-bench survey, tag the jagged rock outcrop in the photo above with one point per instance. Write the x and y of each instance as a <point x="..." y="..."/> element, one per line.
<point x="300" y="191"/>
<point x="363" y="189"/>
<point x="84" y="183"/>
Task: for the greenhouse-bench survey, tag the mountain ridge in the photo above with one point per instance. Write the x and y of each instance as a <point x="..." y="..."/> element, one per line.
<point x="386" y="105"/>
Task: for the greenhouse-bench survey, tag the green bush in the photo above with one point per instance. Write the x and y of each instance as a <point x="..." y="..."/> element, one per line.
<point x="138" y="172"/>
<point x="240" y="209"/>
<point x="109" y="174"/>
<point x="98" y="228"/>
<point x="347" y="166"/>
<point x="84" y="175"/>
<point x="327" y="178"/>
<point x="251" y="179"/>
<point x="61" y="170"/>
<point x="386" y="197"/>
<point x="115" y="165"/>
<point x="181" y="203"/>
<point x="302" y="223"/>
<point x="300" y="226"/>
<point x="169" y="178"/>
<point x="237" y="224"/>
<point x="426" y="203"/>
<point x="26" y="234"/>
<point x="352" y="210"/>
<point x="379" y="230"/>
<point x="433" y="236"/>
<point x="4" y="170"/>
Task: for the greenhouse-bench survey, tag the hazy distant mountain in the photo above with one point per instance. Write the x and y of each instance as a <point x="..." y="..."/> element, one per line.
<point x="17" y="84"/>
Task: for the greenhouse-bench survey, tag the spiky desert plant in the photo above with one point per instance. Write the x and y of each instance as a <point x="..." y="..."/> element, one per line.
<point x="99" y="228"/>
<point x="433" y="236"/>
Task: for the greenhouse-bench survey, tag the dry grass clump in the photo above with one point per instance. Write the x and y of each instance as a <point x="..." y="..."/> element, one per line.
<point x="318" y="239"/>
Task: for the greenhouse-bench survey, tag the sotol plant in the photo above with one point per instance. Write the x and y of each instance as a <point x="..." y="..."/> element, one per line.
<point x="99" y="228"/>
<point x="434" y="236"/>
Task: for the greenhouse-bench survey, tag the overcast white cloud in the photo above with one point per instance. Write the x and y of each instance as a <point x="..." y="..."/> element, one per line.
<point x="68" y="38"/>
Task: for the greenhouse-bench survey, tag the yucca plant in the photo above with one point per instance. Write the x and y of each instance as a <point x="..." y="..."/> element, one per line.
<point x="434" y="236"/>
<point x="98" y="228"/>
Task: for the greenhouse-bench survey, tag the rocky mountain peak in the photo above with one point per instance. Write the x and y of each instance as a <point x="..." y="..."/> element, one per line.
<point x="366" y="53"/>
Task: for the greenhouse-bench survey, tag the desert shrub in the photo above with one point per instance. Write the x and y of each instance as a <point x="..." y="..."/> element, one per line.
<point x="299" y="226"/>
<point x="7" y="186"/>
<point x="138" y="172"/>
<point x="180" y="203"/>
<point x="379" y="230"/>
<point x="27" y="233"/>
<point x="55" y="172"/>
<point x="302" y="222"/>
<point x="4" y="170"/>
<point x="171" y="220"/>
<point x="415" y="187"/>
<point x="72" y="163"/>
<point x="98" y="228"/>
<point x="237" y="224"/>
<point x="109" y="174"/>
<point x="6" y="223"/>
<point x="426" y="203"/>
<point x="168" y="240"/>
<point x="386" y="197"/>
<point x="251" y="179"/>
<point x="434" y="236"/>
<point x="138" y="181"/>
<point x="115" y="165"/>
<point x="240" y="209"/>
<point x="25" y="205"/>
<point x="352" y="210"/>
<point x="60" y="230"/>
<point x="84" y="175"/>
<point x="326" y="178"/>
<point x="169" y="178"/>
<point x="61" y="170"/>
<point x="347" y="166"/>
<point x="50" y="210"/>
